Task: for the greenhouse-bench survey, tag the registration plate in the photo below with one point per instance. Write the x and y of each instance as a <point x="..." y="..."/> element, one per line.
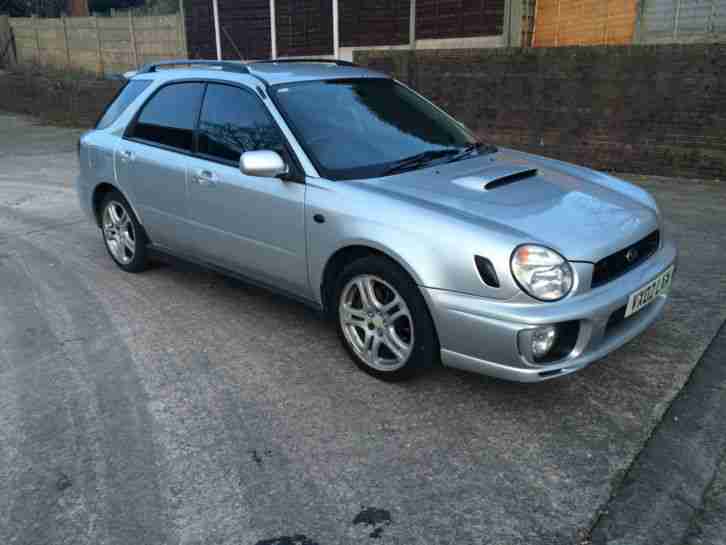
<point x="647" y="294"/>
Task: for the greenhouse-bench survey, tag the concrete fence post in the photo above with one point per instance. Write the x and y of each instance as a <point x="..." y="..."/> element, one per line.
<point x="273" y="29"/>
<point x="99" y="51"/>
<point x="711" y="24"/>
<point x="34" y="19"/>
<point x="217" y="34"/>
<point x="133" y="40"/>
<point x="181" y="26"/>
<point x="336" y="30"/>
<point x="516" y="16"/>
<point x="676" y="19"/>
<point x="412" y="25"/>
<point x="66" y="45"/>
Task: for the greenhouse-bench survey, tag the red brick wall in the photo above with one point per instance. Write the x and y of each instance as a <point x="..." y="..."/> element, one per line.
<point x="641" y="109"/>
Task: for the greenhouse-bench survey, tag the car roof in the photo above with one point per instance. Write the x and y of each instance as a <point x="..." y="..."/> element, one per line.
<point x="278" y="72"/>
<point x="270" y="72"/>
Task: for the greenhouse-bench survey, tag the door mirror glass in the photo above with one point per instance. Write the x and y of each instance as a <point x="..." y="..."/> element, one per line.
<point x="263" y="163"/>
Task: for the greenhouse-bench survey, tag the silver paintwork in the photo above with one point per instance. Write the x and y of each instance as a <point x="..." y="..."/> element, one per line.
<point x="378" y="328"/>
<point x="264" y="163"/>
<point x="478" y="335"/>
<point x="430" y="221"/>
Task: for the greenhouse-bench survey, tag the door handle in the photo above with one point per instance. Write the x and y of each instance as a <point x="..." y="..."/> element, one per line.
<point x="204" y="177"/>
<point x="127" y="155"/>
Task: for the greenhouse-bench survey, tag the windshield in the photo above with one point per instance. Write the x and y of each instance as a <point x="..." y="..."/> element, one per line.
<point x="364" y="128"/>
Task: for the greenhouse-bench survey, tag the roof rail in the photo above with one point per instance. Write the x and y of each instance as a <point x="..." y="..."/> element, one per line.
<point x="227" y="66"/>
<point x="338" y="62"/>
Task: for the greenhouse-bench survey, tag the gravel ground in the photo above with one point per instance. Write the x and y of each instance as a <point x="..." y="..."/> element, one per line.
<point x="178" y="406"/>
<point x="709" y="528"/>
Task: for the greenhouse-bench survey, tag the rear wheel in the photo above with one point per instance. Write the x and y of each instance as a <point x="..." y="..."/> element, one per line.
<point x="383" y="320"/>
<point x="124" y="237"/>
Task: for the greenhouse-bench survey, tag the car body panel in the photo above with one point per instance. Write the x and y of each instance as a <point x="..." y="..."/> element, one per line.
<point x="564" y="211"/>
<point x="275" y="73"/>
<point x="485" y="329"/>
<point x="253" y="224"/>
<point x="155" y="180"/>
<point x="403" y="230"/>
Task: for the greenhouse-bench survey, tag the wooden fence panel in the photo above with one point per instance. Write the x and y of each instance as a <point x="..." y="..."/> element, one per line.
<point x="584" y="22"/>
<point x="102" y="45"/>
<point x="383" y="22"/>
<point x="457" y="19"/>
<point x="664" y="21"/>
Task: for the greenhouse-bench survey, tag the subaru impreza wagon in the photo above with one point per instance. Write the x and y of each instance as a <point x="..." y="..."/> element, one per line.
<point x="347" y="190"/>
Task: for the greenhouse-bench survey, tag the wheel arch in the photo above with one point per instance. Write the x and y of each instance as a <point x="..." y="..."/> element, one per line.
<point x="100" y="191"/>
<point x="349" y="253"/>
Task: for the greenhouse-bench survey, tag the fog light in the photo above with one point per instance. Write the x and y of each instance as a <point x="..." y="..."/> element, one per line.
<point x="543" y="339"/>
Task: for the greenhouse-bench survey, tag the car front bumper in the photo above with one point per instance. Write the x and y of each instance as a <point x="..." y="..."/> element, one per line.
<point x="484" y="335"/>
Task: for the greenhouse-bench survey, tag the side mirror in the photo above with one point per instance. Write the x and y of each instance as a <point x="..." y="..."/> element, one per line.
<point x="265" y="164"/>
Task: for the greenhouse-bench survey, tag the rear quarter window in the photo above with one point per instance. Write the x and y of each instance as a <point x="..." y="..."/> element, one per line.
<point x="118" y="105"/>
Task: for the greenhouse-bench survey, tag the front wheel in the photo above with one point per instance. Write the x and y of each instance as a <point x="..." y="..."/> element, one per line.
<point x="383" y="320"/>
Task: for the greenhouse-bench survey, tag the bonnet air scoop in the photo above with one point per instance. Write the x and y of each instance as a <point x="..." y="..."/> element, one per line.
<point x="495" y="177"/>
<point x="510" y="177"/>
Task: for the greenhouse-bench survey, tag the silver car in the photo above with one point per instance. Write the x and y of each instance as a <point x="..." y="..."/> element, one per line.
<point x="345" y="189"/>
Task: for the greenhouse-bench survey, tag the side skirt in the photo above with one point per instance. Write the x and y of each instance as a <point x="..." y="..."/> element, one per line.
<point x="167" y="256"/>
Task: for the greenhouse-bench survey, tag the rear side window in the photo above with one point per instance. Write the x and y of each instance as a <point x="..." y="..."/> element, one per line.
<point x="169" y="117"/>
<point x="234" y="121"/>
<point x="118" y="105"/>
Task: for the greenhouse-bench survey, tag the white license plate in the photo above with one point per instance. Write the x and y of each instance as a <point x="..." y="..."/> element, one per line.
<point x="647" y="294"/>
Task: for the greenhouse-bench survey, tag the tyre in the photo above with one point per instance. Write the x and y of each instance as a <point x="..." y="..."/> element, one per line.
<point x="383" y="321"/>
<point x="123" y="235"/>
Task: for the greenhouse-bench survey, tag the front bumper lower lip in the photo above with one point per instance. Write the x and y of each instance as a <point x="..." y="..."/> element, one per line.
<point x="481" y="335"/>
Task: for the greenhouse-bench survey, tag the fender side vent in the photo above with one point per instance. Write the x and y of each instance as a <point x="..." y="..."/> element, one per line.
<point x="486" y="271"/>
<point x="511" y="178"/>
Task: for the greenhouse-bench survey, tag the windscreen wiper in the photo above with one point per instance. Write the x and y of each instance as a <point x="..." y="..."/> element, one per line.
<point x="420" y="159"/>
<point x="480" y="147"/>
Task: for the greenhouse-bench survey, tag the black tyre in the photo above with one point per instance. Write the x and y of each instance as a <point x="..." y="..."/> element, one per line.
<point x="383" y="320"/>
<point x="123" y="236"/>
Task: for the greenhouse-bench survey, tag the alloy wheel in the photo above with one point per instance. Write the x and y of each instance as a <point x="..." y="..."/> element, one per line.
<point x="376" y="322"/>
<point x="118" y="232"/>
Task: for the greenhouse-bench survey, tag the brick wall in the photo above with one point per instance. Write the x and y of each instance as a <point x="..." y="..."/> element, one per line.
<point x="641" y="109"/>
<point x="62" y="98"/>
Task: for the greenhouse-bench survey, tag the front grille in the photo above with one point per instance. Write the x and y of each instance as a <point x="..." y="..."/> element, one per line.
<point x="628" y="258"/>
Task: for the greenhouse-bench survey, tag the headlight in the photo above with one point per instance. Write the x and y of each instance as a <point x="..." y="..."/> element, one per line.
<point x="542" y="273"/>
